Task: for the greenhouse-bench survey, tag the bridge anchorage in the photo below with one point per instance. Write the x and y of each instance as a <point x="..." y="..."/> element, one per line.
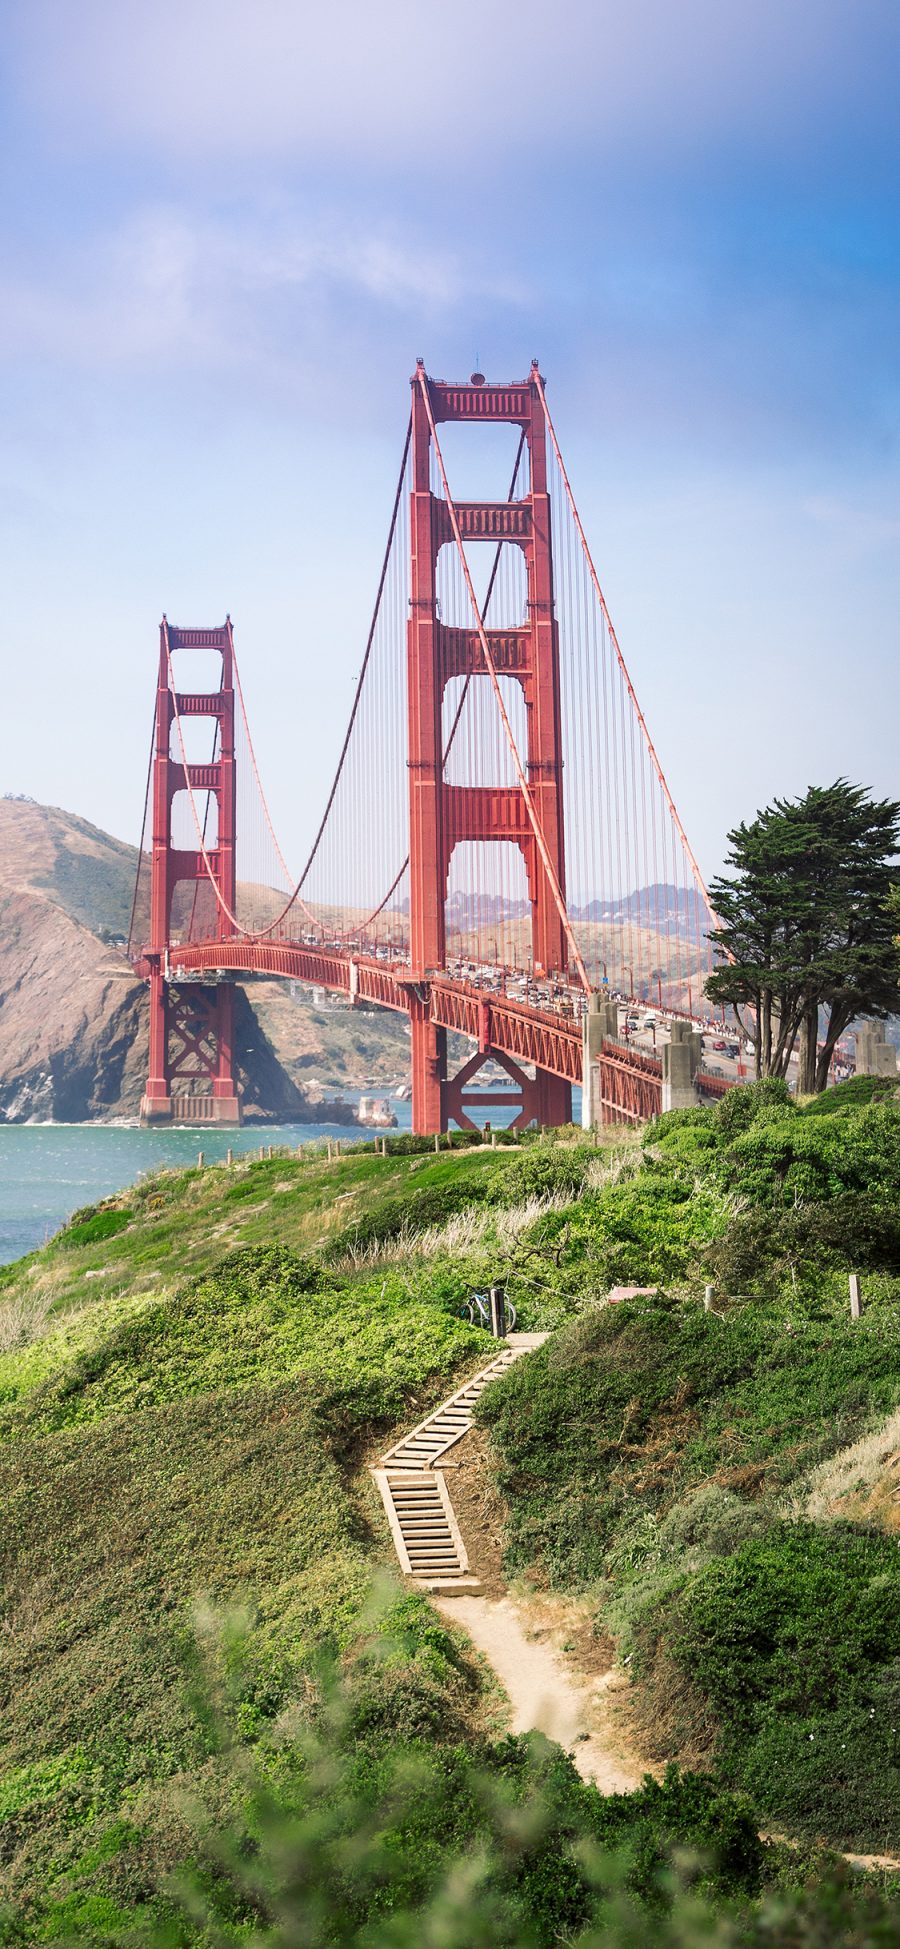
<point x="499" y="859"/>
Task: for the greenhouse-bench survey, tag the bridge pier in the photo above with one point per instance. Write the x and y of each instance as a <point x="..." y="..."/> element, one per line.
<point x="156" y="1102"/>
<point x="191" y="1044"/>
<point x="553" y="1100"/>
<point x="429" y="1067"/>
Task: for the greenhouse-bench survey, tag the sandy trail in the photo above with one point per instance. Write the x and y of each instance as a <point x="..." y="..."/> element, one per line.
<point x="544" y="1694"/>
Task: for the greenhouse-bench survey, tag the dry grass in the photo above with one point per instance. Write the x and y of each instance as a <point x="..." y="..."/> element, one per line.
<point x="22" y="1319"/>
<point x="464" y="1232"/>
<point x="858" y="1484"/>
<point x="603" y="1171"/>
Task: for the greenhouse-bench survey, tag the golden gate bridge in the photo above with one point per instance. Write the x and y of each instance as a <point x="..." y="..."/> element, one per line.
<point x="499" y="855"/>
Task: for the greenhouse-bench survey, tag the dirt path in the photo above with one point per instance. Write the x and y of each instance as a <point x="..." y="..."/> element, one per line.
<point x="579" y="1712"/>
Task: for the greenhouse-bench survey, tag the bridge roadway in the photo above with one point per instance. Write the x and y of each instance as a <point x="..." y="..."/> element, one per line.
<point x="493" y="1021"/>
<point x="552" y="1038"/>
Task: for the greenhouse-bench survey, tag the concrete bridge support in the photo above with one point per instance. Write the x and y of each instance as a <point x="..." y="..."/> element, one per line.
<point x="680" y="1060"/>
<point x="600" y="1023"/>
<point x="874" y="1056"/>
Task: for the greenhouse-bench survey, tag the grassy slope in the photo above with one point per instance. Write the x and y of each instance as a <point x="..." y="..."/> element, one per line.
<point x="173" y="1442"/>
<point x="190" y="1422"/>
<point x="169" y="1439"/>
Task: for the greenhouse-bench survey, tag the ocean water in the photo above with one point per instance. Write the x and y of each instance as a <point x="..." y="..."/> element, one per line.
<point x="47" y="1170"/>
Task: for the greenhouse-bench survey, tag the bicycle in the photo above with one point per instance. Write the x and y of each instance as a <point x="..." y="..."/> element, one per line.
<point x="477" y="1310"/>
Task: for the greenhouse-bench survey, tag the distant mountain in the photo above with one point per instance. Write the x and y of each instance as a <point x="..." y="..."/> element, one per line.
<point x="469" y="910"/>
<point x="682" y="909"/>
<point x="73" y="1019"/>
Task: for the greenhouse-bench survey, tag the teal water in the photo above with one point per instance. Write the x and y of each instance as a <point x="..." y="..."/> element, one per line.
<point x="47" y="1170"/>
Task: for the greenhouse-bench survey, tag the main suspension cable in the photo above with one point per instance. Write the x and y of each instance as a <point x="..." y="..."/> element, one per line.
<point x="137" y="877"/>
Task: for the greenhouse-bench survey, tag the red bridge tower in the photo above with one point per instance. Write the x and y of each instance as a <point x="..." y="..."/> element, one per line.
<point x="442" y="815"/>
<point x="191" y="1068"/>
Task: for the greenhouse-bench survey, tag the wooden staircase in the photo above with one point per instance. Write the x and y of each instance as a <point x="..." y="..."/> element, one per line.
<point x="411" y="1481"/>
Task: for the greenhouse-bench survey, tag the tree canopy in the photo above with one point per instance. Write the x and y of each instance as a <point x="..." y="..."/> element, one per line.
<point x="807" y="922"/>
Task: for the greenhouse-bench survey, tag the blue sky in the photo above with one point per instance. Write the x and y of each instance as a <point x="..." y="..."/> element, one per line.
<point x="228" y="231"/>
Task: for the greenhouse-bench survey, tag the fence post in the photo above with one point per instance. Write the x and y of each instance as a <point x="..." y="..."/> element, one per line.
<point x="707" y="1299"/>
<point x="199" y="1160"/>
<point x="855" y="1300"/>
<point x="498" y="1313"/>
<point x="437" y="1141"/>
<point x="229" y="1157"/>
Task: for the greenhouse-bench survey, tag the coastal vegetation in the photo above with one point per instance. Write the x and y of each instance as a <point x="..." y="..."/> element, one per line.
<point x="224" y="1712"/>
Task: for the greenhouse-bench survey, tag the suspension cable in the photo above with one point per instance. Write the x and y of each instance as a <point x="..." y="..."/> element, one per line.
<point x="260" y="933"/>
<point x="539" y="383"/>
<point x="371" y="638"/>
<point x="464" y="693"/>
<point x="137" y="877"/>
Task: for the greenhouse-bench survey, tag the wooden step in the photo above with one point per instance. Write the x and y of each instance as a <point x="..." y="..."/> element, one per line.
<point x="414" y="1492"/>
<point x="449" y="1422"/>
<point x="422" y="1523"/>
<point x="451" y="1586"/>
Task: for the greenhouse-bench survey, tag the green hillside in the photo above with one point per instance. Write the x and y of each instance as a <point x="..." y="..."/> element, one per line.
<point x="210" y="1666"/>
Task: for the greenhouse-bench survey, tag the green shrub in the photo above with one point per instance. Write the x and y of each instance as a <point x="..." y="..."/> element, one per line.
<point x="739" y="1108"/>
<point x="543" y="1171"/>
<point x="784" y="1159"/>
<point x="793" y="1640"/>
<point x="631" y="1407"/>
<point x="103" y="1224"/>
<point x="789" y="1250"/>
<point x="856" y="1092"/>
<point x="697" y="1117"/>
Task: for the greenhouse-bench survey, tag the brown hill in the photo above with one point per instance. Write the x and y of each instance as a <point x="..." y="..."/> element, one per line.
<point x="73" y="1027"/>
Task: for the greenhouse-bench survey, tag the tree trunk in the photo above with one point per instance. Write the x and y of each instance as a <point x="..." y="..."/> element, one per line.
<point x="764" y="1035"/>
<point x="839" y="1020"/>
<point x="809" y="1036"/>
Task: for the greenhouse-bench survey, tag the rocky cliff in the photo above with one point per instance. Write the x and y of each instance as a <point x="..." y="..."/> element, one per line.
<point x="73" y="1020"/>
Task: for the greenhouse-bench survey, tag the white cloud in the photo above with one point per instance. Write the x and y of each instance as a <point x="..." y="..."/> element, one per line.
<point x="167" y="287"/>
<point x="440" y="90"/>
